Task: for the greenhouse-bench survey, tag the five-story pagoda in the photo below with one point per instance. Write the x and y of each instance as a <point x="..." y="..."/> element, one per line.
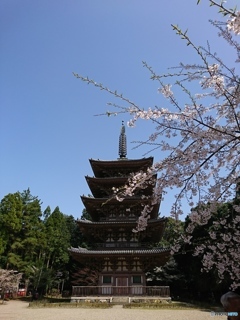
<point x="120" y="255"/>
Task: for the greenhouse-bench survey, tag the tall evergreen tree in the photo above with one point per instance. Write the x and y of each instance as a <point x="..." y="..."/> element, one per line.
<point x="10" y="227"/>
<point x="32" y="232"/>
<point x="58" y="239"/>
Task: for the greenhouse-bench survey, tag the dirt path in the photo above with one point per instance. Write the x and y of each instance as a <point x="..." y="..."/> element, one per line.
<point x="18" y="310"/>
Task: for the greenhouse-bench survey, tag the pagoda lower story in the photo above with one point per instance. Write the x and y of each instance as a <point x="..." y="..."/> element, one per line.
<point x="121" y="272"/>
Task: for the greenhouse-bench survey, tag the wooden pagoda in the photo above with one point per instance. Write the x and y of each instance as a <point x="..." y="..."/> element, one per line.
<point x="121" y="256"/>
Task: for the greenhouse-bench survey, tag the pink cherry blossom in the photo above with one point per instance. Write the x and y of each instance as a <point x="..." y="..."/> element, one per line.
<point x="234" y="24"/>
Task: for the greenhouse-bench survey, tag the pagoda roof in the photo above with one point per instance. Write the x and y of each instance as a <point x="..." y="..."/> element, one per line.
<point x="148" y="257"/>
<point x="98" y="186"/>
<point x="94" y="205"/>
<point x="100" y="167"/>
<point x="137" y="252"/>
<point x="110" y="223"/>
<point x="155" y="227"/>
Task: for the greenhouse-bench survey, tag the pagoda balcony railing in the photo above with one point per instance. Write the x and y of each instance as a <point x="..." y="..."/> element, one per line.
<point x="123" y="244"/>
<point x="84" y="291"/>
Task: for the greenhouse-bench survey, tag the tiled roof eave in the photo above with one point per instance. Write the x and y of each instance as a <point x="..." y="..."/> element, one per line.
<point x="112" y="222"/>
<point x="120" y="163"/>
<point x="83" y="251"/>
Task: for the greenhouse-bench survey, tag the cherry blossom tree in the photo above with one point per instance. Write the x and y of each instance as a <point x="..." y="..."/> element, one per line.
<point x="9" y="281"/>
<point x="199" y="137"/>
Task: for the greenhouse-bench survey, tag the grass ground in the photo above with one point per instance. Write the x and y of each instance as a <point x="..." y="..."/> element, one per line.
<point x="51" y="302"/>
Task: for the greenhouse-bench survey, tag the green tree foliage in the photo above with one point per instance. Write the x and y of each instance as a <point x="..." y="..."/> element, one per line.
<point x="11" y="213"/>
<point x="46" y="213"/>
<point x="10" y="220"/>
<point x="21" y="232"/>
<point x="34" y="242"/>
<point x="169" y="274"/>
<point x="174" y="228"/>
<point x="32" y="232"/>
<point x="58" y="239"/>
<point x="85" y="215"/>
<point x="76" y="237"/>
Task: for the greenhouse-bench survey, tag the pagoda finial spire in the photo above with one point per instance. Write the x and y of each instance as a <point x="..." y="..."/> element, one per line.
<point x="122" y="143"/>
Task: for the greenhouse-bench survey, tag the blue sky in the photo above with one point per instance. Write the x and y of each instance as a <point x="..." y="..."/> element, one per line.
<point x="48" y="130"/>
